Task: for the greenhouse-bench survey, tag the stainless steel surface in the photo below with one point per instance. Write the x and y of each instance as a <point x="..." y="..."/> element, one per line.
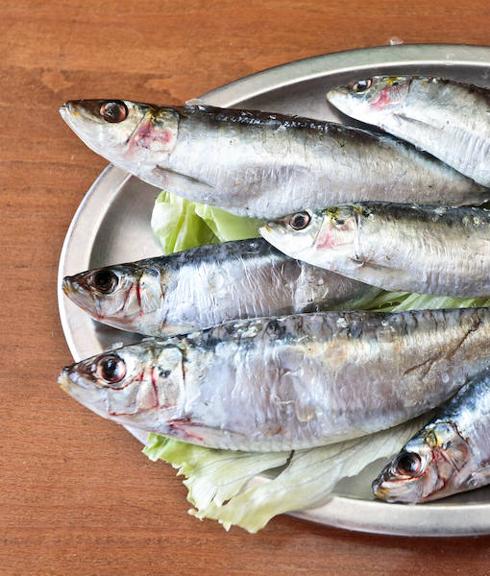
<point x="112" y="225"/>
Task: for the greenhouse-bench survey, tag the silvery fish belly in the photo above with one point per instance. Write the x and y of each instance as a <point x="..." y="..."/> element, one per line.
<point x="449" y="455"/>
<point x="261" y="164"/>
<point x="209" y="285"/>
<point x="418" y="249"/>
<point x="447" y="119"/>
<point x="293" y="382"/>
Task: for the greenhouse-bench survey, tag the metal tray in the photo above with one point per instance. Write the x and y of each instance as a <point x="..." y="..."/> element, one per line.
<point x="112" y="225"/>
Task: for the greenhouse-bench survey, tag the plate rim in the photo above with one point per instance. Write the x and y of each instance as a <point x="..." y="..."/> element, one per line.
<point x="429" y="520"/>
<point x="313" y="67"/>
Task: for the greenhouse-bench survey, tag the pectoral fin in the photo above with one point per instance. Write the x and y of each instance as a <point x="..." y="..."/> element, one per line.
<point x="480" y="477"/>
<point x="183" y="185"/>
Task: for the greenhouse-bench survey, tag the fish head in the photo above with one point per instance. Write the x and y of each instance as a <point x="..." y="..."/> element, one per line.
<point x="122" y="131"/>
<point x="117" y="294"/>
<point x="428" y="467"/>
<point x="131" y="385"/>
<point x="365" y="99"/>
<point x="323" y="238"/>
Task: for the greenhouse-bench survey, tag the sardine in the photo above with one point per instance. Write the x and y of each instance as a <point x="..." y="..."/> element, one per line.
<point x="261" y="164"/>
<point x="209" y="285"/>
<point x="447" y="119"/>
<point x="393" y="246"/>
<point x="449" y="455"/>
<point x="292" y="382"/>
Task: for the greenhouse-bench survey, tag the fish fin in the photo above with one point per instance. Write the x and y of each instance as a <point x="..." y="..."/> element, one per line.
<point x="183" y="185"/>
<point x="409" y="119"/>
<point x="194" y="432"/>
<point x="116" y="345"/>
<point x="480" y="477"/>
<point x="377" y="274"/>
<point x="177" y="176"/>
<point x="195" y="102"/>
<point x="359" y="262"/>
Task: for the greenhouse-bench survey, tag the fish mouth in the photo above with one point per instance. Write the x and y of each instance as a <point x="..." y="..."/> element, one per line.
<point x="395" y="491"/>
<point x="76" y="292"/>
<point x="88" y="396"/>
<point x="76" y="112"/>
<point x="75" y="289"/>
<point x="70" y="114"/>
<point x="69" y="379"/>
<point x="379" y="489"/>
<point x="68" y="110"/>
<point x="68" y="287"/>
<point x="63" y="110"/>
<point x="269" y="232"/>
<point x="64" y="380"/>
<point x="335" y="93"/>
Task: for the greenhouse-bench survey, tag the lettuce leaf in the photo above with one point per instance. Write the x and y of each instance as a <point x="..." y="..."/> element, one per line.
<point x="180" y="224"/>
<point x="226" y="226"/>
<point x="424" y="302"/>
<point x="224" y="485"/>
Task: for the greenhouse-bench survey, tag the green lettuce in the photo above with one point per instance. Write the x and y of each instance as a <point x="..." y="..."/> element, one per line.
<point x="180" y="224"/>
<point x="225" y="485"/>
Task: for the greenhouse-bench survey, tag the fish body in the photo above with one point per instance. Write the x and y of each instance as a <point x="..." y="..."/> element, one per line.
<point x="207" y="286"/>
<point x="287" y="383"/>
<point x="450" y="454"/>
<point x="447" y="119"/>
<point x="261" y="164"/>
<point x="422" y="249"/>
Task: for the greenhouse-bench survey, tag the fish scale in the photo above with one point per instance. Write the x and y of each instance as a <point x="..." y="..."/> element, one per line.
<point x="264" y="165"/>
<point x="208" y="285"/>
<point x="291" y="382"/>
<point x="447" y="119"/>
<point x="421" y="249"/>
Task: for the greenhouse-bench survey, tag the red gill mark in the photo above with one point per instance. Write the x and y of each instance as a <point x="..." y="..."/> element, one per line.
<point x="326" y="240"/>
<point x="147" y="134"/>
<point x="166" y="136"/>
<point x="154" y="382"/>
<point x="138" y="295"/>
<point x="383" y="99"/>
<point x="154" y="376"/>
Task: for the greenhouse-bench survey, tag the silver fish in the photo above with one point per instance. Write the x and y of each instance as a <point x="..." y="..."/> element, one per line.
<point x="209" y="285"/>
<point x="393" y="246"/>
<point x="447" y="119"/>
<point x="449" y="455"/>
<point x="261" y="164"/>
<point x="292" y="382"/>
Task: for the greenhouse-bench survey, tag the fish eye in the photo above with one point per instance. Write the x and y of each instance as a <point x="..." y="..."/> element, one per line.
<point x="408" y="464"/>
<point x="360" y="86"/>
<point x="105" y="281"/>
<point x="114" y="112"/>
<point x="300" y="220"/>
<point x="111" y="369"/>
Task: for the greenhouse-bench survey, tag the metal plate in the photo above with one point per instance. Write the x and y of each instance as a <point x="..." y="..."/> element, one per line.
<point x="112" y="225"/>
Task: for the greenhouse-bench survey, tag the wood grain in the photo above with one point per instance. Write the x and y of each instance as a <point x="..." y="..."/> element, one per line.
<point x="76" y="495"/>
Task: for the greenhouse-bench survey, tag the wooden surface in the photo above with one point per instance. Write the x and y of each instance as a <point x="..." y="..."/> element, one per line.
<point x="76" y="495"/>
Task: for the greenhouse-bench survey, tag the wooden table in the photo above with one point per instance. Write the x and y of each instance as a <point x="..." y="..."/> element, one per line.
<point x="76" y="495"/>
